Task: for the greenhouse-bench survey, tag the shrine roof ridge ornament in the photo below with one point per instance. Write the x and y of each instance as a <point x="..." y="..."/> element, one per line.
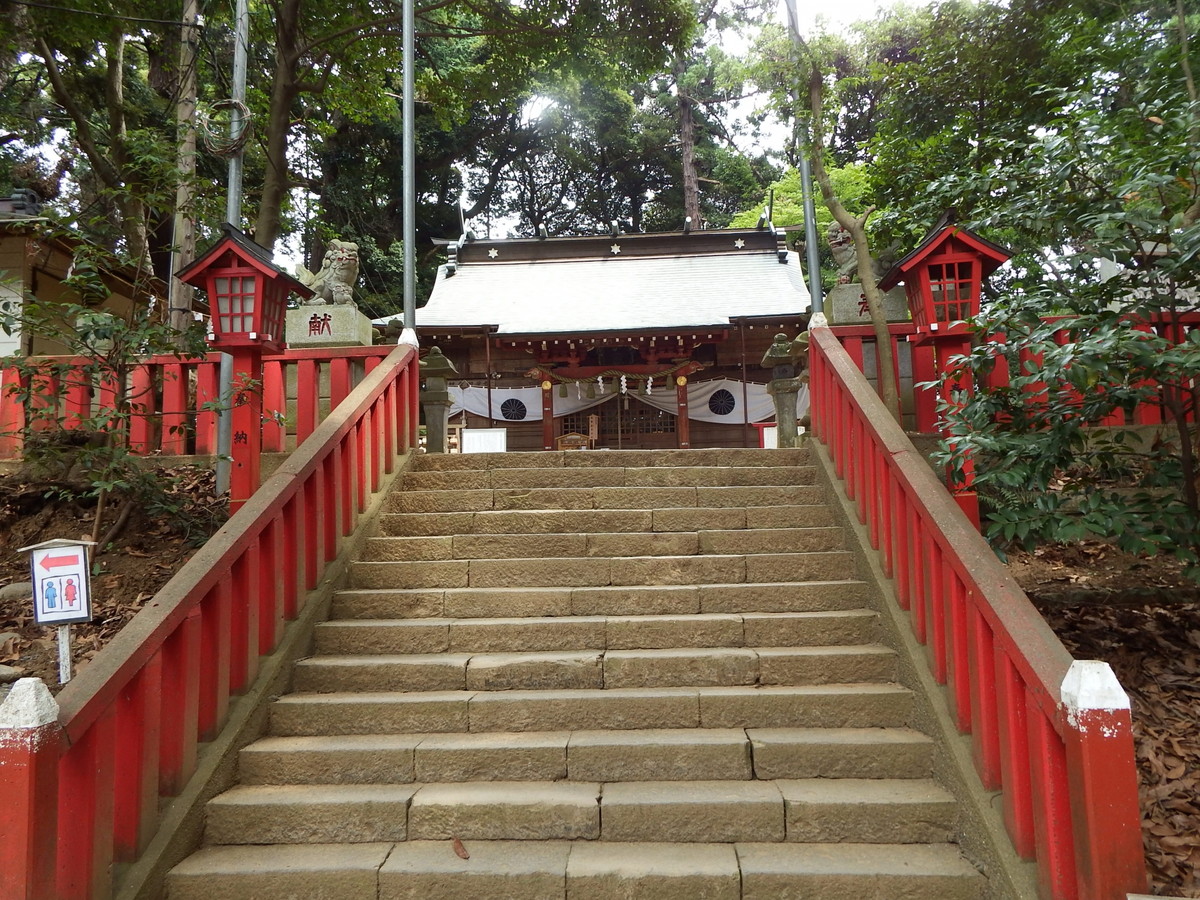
<point x="624" y="246"/>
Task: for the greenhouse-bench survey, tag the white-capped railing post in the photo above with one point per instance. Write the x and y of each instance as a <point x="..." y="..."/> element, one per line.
<point x="1105" y="815"/>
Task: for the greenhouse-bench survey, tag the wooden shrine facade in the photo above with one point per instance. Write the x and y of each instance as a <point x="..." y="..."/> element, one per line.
<point x="638" y="341"/>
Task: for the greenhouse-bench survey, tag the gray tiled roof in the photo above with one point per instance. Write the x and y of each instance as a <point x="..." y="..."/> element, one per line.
<point x="564" y="296"/>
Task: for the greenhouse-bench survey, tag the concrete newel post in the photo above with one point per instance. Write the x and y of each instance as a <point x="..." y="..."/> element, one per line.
<point x="30" y="741"/>
<point x="1105" y="815"/>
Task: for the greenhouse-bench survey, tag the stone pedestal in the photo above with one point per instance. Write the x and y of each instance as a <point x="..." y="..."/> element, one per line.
<point x="339" y="325"/>
<point x="846" y="305"/>
<point x="784" y="392"/>
<point x="435" y="398"/>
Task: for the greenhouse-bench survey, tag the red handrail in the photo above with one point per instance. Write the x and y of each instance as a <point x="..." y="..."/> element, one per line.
<point x="1069" y="783"/>
<point x="129" y="725"/>
<point x="173" y="397"/>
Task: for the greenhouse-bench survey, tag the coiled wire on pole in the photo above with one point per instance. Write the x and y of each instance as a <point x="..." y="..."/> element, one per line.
<point x="215" y="129"/>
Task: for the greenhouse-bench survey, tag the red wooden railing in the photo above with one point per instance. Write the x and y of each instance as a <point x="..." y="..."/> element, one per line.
<point x="930" y="363"/>
<point x="86" y="789"/>
<point x="174" y="399"/>
<point x="1067" y="776"/>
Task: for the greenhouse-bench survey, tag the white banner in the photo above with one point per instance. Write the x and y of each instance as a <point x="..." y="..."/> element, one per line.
<point x="720" y="400"/>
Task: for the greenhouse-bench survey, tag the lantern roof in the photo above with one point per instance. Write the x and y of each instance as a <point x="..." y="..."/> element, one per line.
<point x="991" y="255"/>
<point x="248" y="253"/>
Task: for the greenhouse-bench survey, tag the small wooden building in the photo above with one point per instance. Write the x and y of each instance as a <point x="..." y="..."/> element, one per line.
<point x="642" y="340"/>
<point x="36" y="260"/>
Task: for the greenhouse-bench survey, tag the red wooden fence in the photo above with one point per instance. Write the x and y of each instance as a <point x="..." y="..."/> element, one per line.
<point x="127" y="734"/>
<point x="929" y="363"/>
<point x="1066" y="769"/>
<point x="173" y="399"/>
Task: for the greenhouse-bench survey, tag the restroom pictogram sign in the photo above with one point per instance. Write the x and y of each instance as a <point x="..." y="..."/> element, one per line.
<point x="62" y="591"/>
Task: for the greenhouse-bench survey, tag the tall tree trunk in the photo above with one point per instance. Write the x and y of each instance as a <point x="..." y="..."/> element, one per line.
<point x="857" y="227"/>
<point x="284" y="90"/>
<point x="687" y="142"/>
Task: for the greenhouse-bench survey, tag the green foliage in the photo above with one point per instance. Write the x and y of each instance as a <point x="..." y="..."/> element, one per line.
<point x="852" y="186"/>
<point x="84" y="452"/>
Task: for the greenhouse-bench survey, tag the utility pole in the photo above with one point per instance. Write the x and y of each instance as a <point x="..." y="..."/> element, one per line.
<point x="180" y="296"/>
<point x="810" y="209"/>
<point x="408" y="115"/>
<point x="241" y="49"/>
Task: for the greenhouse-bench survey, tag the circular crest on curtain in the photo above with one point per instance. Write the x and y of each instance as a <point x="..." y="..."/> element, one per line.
<point x="513" y="410"/>
<point x="722" y="403"/>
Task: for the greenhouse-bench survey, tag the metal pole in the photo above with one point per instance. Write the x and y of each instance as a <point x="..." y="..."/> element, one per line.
<point x="233" y="203"/>
<point x="224" y="423"/>
<point x="810" y="211"/>
<point x="812" y="251"/>
<point x="410" y="174"/>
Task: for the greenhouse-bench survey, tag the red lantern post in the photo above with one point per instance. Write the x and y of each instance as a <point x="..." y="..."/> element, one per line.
<point x="943" y="279"/>
<point x="247" y="295"/>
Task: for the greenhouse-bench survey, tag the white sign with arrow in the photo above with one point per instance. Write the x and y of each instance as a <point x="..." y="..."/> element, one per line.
<point x="62" y="591"/>
<point x="61" y="588"/>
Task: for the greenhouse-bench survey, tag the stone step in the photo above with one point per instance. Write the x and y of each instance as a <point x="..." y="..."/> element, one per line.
<point x="577" y="571"/>
<point x="580" y="870"/>
<point x="656" y="754"/>
<point x="588" y="521"/>
<point x="724" y="811"/>
<point x="515" y="602"/>
<point x="637" y="498"/>
<point x="615" y="545"/>
<point x="573" y="670"/>
<point x="605" y="477"/>
<point x="733" y="456"/>
<point x="521" y="635"/>
<point x="861" y="705"/>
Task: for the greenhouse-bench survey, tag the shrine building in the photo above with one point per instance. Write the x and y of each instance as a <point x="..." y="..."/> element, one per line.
<point x="630" y="341"/>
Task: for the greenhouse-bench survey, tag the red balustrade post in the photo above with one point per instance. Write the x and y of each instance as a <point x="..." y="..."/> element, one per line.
<point x="1051" y="807"/>
<point x="1103" y="783"/>
<point x="180" y="702"/>
<point x="216" y="627"/>
<point x="1014" y="755"/>
<point x="270" y="576"/>
<point x="174" y="409"/>
<point x="294" y="552"/>
<point x="308" y="398"/>
<point x="208" y="392"/>
<point x="30" y="744"/>
<point x="143" y="405"/>
<point x="274" y="407"/>
<point x="984" y="726"/>
<point x="245" y="472"/>
<point x="924" y="399"/>
<point x="340" y="380"/>
<point x="12" y="414"/>
<point x="77" y="404"/>
<point x="86" y="810"/>
<point x="346" y="492"/>
<point x="139" y="733"/>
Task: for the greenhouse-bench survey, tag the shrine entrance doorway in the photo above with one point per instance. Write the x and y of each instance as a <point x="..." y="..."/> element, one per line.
<point x="625" y="423"/>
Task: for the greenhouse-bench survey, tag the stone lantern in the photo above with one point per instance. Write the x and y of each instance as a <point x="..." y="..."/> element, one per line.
<point x="786" y="360"/>
<point x="247" y="296"/>
<point x="435" y="369"/>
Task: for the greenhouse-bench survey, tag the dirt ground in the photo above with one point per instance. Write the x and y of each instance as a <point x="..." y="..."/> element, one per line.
<point x="1141" y="616"/>
<point x="125" y="574"/>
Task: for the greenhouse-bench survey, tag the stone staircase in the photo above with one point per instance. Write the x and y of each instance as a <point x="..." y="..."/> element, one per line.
<point x="593" y="675"/>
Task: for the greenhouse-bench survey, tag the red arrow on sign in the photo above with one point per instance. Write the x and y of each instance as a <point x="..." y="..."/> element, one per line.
<point x="57" y="562"/>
